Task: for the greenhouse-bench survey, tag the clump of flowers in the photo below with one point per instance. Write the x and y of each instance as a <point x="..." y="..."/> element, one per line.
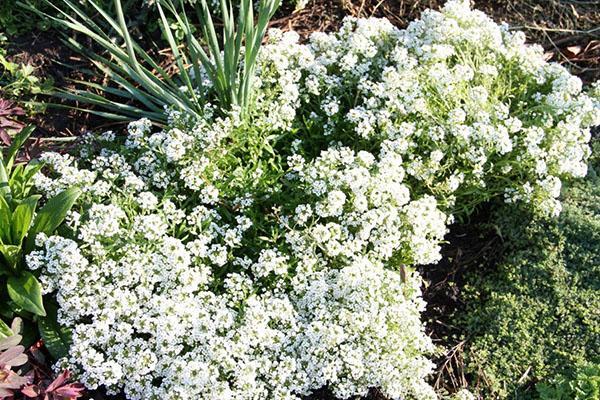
<point x="236" y="298"/>
<point x="268" y="257"/>
<point x="473" y="111"/>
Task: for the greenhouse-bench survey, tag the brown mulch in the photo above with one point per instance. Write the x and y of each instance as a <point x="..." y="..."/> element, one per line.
<point x="52" y="60"/>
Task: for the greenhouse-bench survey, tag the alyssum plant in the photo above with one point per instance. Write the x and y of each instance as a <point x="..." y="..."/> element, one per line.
<point x="207" y="67"/>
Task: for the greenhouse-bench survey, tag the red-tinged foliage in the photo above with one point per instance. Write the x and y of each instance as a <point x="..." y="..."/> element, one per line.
<point x="26" y="375"/>
<point x="8" y="112"/>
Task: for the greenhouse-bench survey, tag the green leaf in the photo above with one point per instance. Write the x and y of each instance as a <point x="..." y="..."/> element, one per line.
<point x="52" y="214"/>
<point x="18" y="141"/>
<point x="5" y="330"/>
<point x="11" y="254"/>
<point x="5" y="220"/>
<point x="21" y="178"/>
<point x="21" y="219"/>
<point x="57" y="338"/>
<point x="16" y="174"/>
<point x="25" y="290"/>
<point x="4" y="187"/>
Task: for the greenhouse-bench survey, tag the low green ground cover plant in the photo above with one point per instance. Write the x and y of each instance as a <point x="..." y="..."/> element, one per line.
<point x="269" y="250"/>
<point x="535" y="318"/>
<point x="583" y="383"/>
<point x="19" y="80"/>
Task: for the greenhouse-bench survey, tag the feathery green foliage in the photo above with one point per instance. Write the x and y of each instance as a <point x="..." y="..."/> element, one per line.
<point x="535" y="318"/>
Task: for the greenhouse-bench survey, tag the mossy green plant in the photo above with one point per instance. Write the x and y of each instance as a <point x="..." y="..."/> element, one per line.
<point x="534" y="318"/>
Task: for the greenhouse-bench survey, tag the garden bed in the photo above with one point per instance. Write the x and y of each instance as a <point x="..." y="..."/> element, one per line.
<point x="341" y="228"/>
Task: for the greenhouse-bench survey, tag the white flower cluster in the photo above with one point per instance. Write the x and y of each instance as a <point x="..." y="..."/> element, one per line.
<point x="264" y="259"/>
<point x="364" y="209"/>
<point x="170" y="294"/>
<point x="469" y="106"/>
<point x="463" y="394"/>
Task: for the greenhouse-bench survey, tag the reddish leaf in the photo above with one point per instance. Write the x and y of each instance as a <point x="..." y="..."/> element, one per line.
<point x="5" y="394"/>
<point x="13" y="381"/>
<point x="31" y="391"/>
<point x="6" y="108"/>
<point x="59" y="381"/>
<point x="71" y="391"/>
<point x="13" y="357"/>
<point x="5" y="137"/>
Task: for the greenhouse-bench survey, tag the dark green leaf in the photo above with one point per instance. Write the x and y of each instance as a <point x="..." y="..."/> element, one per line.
<point x="4" y="188"/>
<point x="52" y="214"/>
<point x="5" y="220"/>
<point x="11" y="254"/>
<point x="18" y="141"/>
<point x="21" y="178"/>
<point x="25" y="290"/>
<point x="57" y="338"/>
<point x="21" y="219"/>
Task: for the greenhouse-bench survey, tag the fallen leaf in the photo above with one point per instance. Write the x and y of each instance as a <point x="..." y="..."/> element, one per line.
<point x="572" y="51"/>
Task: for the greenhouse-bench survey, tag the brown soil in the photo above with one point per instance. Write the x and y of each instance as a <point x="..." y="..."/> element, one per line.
<point x="53" y="60"/>
<point x="471" y="246"/>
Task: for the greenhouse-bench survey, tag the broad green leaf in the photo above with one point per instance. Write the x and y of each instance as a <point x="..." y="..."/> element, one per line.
<point x="6" y="310"/>
<point x="17" y="182"/>
<point x="11" y="254"/>
<point x="25" y="290"/>
<point x="5" y="220"/>
<point x="52" y="214"/>
<point x="32" y="168"/>
<point x="5" y="330"/>
<point x="21" y="219"/>
<point x="21" y="178"/>
<point x="4" y="187"/>
<point x="57" y="338"/>
<point x="16" y="174"/>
